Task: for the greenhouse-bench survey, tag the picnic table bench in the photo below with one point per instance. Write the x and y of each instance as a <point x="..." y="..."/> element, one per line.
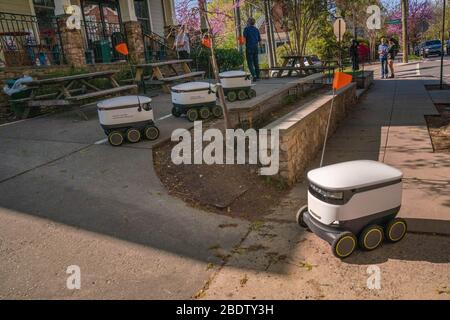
<point x="67" y="91"/>
<point x="295" y="64"/>
<point x="165" y="73"/>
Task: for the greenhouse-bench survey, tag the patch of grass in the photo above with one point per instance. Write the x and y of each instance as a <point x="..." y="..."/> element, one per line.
<point x="252" y="248"/>
<point x="443" y="291"/>
<point x="214" y="247"/>
<point x="200" y="294"/>
<point x="243" y="281"/>
<point x="210" y="266"/>
<point x="413" y="57"/>
<point x="288" y="100"/>
<point x="256" y="225"/>
<point x="228" y="225"/>
<point x="277" y="183"/>
<point x="305" y="265"/>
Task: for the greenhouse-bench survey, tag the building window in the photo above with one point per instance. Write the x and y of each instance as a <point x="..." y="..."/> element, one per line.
<point x="45" y="11"/>
<point x="141" y="8"/>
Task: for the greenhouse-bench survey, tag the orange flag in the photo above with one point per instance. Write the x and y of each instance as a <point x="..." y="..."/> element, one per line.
<point x="206" y="42"/>
<point x="341" y="80"/>
<point x="122" y="48"/>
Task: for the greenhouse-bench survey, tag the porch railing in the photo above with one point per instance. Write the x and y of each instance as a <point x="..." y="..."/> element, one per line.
<point x="101" y="39"/>
<point x="27" y="41"/>
<point x="156" y="47"/>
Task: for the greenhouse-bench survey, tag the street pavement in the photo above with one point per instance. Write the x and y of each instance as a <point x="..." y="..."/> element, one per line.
<point x="67" y="198"/>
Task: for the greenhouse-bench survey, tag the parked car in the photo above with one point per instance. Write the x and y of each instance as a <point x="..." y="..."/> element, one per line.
<point x="315" y="60"/>
<point x="432" y="47"/>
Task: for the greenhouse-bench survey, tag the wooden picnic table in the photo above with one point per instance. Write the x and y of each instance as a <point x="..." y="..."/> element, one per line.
<point x="70" y="90"/>
<point x="295" y="65"/>
<point x="165" y="73"/>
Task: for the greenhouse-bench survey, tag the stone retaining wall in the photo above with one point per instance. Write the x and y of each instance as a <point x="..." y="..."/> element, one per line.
<point x="302" y="131"/>
<point x="256" y="111"/>
<point x="366" y="80"/>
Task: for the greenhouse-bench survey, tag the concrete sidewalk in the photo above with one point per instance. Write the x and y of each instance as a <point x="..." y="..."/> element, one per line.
<point x="290" y="263"/>
<point x="389" y="125"/>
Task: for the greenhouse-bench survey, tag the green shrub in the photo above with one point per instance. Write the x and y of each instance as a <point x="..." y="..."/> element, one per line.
<point x="227" y="59"/>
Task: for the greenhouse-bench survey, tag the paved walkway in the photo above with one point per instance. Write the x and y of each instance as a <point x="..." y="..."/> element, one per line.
<point x="389" y="125"/>
<point x="285" y="262"/>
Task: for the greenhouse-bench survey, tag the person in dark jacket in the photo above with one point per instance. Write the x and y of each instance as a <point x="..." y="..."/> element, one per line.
<point x="392" y="52"/>
<point x="252" y="40"/>
<point x="354" y="55"/>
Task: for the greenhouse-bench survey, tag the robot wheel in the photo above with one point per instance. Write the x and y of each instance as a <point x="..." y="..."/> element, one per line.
<point x="300" y="220"/>
<point x="395" y="230"/>
<point x="344" y="245"/>
<point x="133" y="135"/>
<point x="115" y="138"/>
<point x="151" y="133"/>
<point x="371" y="237"/>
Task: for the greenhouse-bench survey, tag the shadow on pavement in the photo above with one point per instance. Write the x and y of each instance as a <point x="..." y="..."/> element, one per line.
<point x="115" y="192"/>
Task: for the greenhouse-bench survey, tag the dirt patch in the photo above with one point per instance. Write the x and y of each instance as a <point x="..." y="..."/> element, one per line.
<point x="439" y="128"/>
<point x="233" y="190"/>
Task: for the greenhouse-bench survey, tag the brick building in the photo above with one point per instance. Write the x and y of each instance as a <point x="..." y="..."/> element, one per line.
<point x="34" y="33"/>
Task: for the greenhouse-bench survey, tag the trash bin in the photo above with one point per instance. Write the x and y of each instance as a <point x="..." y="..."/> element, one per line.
<point x="89" y="54"/>
<point x="16" y="89"/>
<point x="102" y="51"/>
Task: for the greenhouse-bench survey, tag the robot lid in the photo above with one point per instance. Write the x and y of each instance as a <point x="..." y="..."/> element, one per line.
<point x="123" y="102"/>
<point x="192" y="86"/>
<point x="234" y="74"/>
<point x="353" y="174"/>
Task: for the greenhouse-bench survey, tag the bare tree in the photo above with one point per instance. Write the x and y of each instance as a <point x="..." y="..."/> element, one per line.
<point x="300" y="17"/>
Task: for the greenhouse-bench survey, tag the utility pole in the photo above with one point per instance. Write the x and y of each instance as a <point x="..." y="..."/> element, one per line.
<point x="237" y="15"/>
<point x="203" y="17"/>
<point x="269" y="34"/>
<point x="443" y="47"/>
<point x="215" y="67"/>
<point x="405" y="6"/>
<point x="272" y="35"/>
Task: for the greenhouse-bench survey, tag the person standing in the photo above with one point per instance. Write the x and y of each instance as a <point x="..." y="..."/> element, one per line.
<point x="182" y="45"/>
<point x="252" y="40"/>
<point x="392" y="52"/>
<point x="354" y="55"/>
<point x="383" y="53"/>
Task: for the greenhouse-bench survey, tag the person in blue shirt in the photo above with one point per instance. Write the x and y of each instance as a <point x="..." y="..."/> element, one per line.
<point x="383" y="50"/>
<point x="252" y="40"/>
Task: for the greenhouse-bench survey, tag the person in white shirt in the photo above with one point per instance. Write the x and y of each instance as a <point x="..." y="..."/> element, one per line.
<point x="182" y="45"/>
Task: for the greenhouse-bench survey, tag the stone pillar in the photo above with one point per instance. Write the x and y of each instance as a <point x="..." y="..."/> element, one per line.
<point x="133" y="31"/>
<point x="135" y="41"/>
<point x="72" y="43"/>
<point x="71" y="39"/>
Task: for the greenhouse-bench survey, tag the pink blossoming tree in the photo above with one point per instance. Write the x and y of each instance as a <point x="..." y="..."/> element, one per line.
<point x="420" y="13"/>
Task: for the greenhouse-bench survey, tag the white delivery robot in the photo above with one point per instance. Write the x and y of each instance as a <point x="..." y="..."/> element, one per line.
<point x="129" y="117"/>
<point x="237" y="85"/>
<point x="352" y="203"/>
<point x="195" y="99"/>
